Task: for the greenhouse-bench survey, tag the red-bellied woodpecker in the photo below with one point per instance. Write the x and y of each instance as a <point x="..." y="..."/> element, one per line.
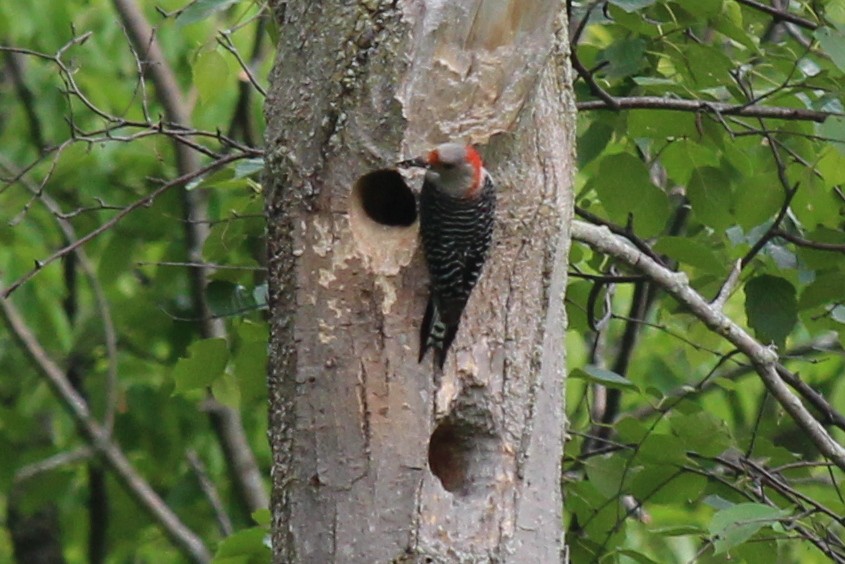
<point x="457" y="207"/>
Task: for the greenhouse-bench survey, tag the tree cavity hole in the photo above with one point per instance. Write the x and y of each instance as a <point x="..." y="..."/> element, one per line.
<point x="463" y="456"/>
<point x="385" y="199"/>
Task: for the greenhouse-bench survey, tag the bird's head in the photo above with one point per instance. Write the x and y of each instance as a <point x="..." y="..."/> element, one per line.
<point x="452" y="168"/>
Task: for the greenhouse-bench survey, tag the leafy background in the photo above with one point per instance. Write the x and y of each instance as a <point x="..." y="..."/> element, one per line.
<point x="676" y="452"/>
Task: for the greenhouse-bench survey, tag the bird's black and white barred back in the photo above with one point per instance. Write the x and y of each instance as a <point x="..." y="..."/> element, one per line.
<point x="457" y="211"/>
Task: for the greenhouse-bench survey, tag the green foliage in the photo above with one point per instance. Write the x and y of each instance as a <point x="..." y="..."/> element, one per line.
<point x="681" y="471"/>
<point x="205" y="363"/>
<point x="771" y="308"/>
<point x="698" y="464"/>
<point x="166" y="371"/>
<point x="249" y="546"/>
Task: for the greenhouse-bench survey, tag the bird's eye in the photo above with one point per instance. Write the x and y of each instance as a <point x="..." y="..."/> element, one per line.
<point x="448" y="166"/>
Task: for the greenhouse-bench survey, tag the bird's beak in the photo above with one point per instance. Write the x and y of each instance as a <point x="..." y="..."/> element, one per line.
<point x="417" y="162"/>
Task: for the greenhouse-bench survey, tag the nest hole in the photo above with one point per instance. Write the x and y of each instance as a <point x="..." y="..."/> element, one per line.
<point x="465" y="458"/>
<point x="385" y="198"/>
<point x="383" y="221"/>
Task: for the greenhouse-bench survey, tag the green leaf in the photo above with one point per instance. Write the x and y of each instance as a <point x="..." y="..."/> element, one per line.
<point x="632" y="5"/>
<point x="689" y="251"/>
<point x="201" y="9"/>
<point x="593" y="142"/>
<point x="597" y="515"/>
<point x="210" y="75"/>
<point x="635" y="556"/>
<point x="225" y="390"/>
<point x="832" y="42"/>
<point x="683" y="156"/>
<point x="707" y="64"/>
<point x="702" y="432"/>
<point x="250" y="364"/>
<point x="834" y="128"/>
<point x="205" y="363"/>
<point x="662" y="448"/>
<point x="262" y="517"/>
<point x="758" y="198"/>
<point x="737" y="524"/>
<point x="831" y="166"/>
<point x="226" y="298"/>
<point x="709" y="192"/>
<point x="248" y="545"/>
<point x="819" y="259"/>
<point x="604" y="377"/>
<point x="678" y="530"/>
<point x="607" y="472"/>
<point x="664" y="485"/>
<point x="717" y="502"/>
<point x="704" y="8"/>
<point x="661" y="124"/>
<point x="771" y="308"/>
<point x="630" y="430"/>
<point x="825" y="288"/>
<point x="248" y="167"/>
<point x="624" y="187"/>
<point x="626" y="58"/>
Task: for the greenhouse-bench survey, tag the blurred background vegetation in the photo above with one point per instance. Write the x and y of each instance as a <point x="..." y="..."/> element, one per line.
<point x="677" y="453"/>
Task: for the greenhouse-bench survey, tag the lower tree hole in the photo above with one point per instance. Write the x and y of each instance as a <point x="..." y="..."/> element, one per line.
<point x="385" y="198"/>
<point x="463" y="457"/>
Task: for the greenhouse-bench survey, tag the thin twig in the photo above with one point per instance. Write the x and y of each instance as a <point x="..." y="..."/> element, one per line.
<point x="202" y="265"/>
<point x="636" y="241"/>
<point x="109" y="330"/>
<point x="780" y="15"/>
<point x="225" y="41"/>
<point x="806" y="243"/>
<point x="211" y="493"/>
<point x="145" y="201"/>
<point x="52" y="463"/>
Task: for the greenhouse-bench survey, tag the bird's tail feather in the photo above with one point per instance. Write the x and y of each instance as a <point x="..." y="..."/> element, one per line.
<point x="436" y="334"/>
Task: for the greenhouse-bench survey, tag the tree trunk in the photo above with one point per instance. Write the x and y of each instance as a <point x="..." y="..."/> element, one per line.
<point x="374" y="458"/>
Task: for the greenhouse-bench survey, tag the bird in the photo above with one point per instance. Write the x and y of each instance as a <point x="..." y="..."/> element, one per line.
<point x="457" y="206"/>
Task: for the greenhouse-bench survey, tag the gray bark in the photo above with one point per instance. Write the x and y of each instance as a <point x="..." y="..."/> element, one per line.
<point x="375" y="459"/>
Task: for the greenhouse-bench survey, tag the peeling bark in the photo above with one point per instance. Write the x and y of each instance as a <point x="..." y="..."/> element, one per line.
<point x="375" y="459"/>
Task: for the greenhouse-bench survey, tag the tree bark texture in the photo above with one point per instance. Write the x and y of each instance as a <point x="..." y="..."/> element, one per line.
<point x="376" y="458"/>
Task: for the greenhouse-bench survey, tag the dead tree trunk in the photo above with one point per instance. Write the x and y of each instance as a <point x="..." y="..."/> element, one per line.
<point x="373" y="459"/>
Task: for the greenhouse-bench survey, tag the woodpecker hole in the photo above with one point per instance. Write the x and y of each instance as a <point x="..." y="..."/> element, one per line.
<point x="386" y="199"/>
<point x="465" y="452"/>
<point x="383" y="220"/>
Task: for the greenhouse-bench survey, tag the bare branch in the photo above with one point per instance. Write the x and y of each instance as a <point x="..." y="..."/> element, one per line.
<point x="226" y="421"/>
<point x="204" y="265"/>
<point x="211" y="493"/>
<point x="801" y="242"/>
<point x="52" y="463"/>
<point x="99" y="439"/>
<point x="679" y="105"/>
<point x="636" y="241"/>
<point x="728" y="287"/>
<point x="764" y="358"/>
<point x="109" y="331"/>
<point x="780" y="14"/>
